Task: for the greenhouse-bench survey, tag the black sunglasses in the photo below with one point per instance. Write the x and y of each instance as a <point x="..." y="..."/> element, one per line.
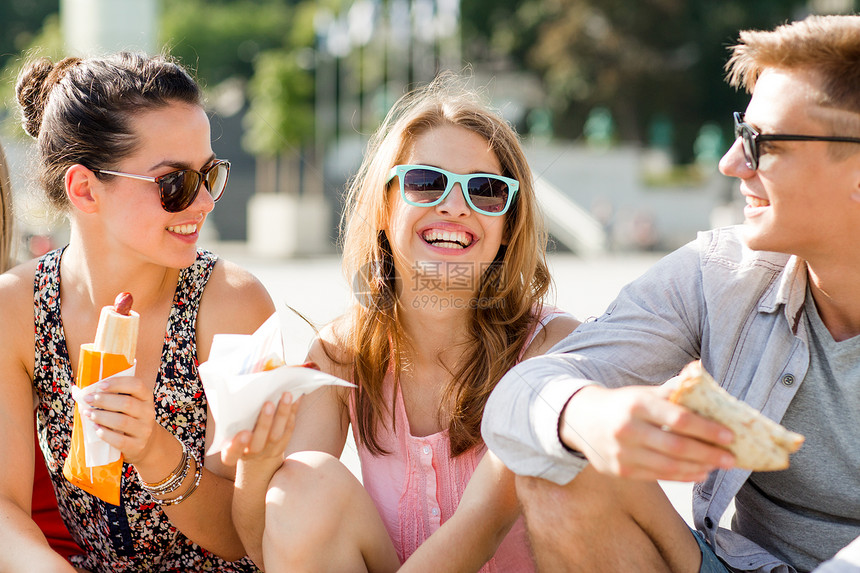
<point x="750" y="138"/>
<point x="178" y="189"/>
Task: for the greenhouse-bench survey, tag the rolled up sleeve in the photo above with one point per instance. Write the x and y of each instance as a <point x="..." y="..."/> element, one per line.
<point x="530" y="445"/>
<point x="645" y="337"/>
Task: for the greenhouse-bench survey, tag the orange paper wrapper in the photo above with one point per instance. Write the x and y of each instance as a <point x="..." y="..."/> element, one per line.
<point x="101" y="481"/>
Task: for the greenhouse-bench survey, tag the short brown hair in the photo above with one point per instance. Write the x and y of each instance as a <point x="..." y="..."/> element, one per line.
<point x="829" y="45"/>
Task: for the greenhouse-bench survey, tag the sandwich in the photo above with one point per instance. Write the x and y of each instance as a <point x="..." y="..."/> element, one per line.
<point x="760" y="444"/>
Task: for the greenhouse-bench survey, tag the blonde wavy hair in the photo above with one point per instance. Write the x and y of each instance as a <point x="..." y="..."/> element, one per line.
<point x="6" y="258"/>
<point x="515" y="283"/>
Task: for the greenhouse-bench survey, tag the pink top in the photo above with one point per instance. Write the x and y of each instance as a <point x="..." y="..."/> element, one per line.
<point x="417" y="487"/>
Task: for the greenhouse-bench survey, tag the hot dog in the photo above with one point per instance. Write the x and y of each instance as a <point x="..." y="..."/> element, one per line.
<point x="118" y="327"/>
<point x="92" y="464"/>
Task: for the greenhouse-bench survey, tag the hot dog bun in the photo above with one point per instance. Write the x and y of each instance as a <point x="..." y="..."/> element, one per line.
<point x="760" y="444"/>
<point x="118" y="327"/>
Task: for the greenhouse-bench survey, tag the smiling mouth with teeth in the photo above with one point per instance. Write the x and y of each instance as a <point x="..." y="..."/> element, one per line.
<point x="183" y="229"/>
<point x="757" y="202"/>
<point x="448" y="239"/>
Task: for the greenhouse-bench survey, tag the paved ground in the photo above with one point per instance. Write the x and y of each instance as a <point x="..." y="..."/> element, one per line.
<point x="316" y="288"/>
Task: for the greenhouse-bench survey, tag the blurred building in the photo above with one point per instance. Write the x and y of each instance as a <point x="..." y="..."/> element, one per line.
<point x="98" y="27"/>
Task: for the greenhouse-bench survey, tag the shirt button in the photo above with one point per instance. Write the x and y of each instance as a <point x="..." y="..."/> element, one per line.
<point x="788" y="379"/>
<point x="434" y="511"/>
<point x="426" y="449"/>
<point x="709" y="523"/>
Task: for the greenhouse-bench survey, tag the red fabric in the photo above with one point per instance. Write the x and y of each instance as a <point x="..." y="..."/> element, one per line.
<point x="45" y="512"/>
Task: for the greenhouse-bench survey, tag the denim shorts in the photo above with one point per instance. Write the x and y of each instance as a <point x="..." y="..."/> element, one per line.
<point x="710" y="562"/>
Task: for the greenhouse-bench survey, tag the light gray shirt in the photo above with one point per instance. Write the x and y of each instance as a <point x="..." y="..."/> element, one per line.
<point x="738" y="310"/>
<point x="807" y="512"/>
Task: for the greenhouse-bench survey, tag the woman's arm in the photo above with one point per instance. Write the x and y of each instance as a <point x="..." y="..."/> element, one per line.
<point x="323" y="419"/>
<point x="320" y="424"/>
<point x="484" y="516"/>
<point x="23" y="547"/>
<point x="489" y="505"/>
<point x="554" y="332"/>
<point x="233" y="302"/>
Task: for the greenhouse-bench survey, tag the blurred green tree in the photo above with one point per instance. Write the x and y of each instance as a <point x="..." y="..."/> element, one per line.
<point x="45" y="41"/>
<point x="221" y="38"/>
<point x="641" y="60"/>
<point x="280" y="117"/>
<point x="265" y="44"/>
<point x="279" y="123"/>
<point x="20" y="21"/>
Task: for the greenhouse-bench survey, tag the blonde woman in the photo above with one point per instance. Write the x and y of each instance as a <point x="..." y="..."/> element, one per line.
<point x="443" y="240"/>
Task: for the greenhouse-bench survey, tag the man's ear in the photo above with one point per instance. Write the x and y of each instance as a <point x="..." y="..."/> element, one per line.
<point x="80" y="183"/>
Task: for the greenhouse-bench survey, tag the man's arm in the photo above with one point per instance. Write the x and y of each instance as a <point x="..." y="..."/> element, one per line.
<point x="648" y="334"/>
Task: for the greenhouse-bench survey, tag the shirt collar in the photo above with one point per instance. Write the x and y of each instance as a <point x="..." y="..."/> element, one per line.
<point x="789" y="292"/>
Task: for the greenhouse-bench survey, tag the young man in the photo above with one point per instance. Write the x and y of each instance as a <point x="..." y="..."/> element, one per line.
<point x="772" y="308"/>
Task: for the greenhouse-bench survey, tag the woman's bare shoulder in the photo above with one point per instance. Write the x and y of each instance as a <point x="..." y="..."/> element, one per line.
<point x="17" y="291"/>
<point x="233" y="302"/>
<point x="238" y="295"/>
<point x="551" y="334"/>
<point x="16" y="308"/>
<point x="330" y="349"/>
<point x="229" y="279"/>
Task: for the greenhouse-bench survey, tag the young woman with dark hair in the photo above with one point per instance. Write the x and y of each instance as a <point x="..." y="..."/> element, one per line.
<point x="125" y="153"/>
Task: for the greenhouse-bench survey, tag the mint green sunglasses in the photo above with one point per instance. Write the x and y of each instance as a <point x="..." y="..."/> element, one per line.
<point x="427" y="186"/>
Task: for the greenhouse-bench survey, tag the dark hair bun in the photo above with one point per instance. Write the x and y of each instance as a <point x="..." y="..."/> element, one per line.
<point x="80" y="112"/>
<point x="35" y="83"/>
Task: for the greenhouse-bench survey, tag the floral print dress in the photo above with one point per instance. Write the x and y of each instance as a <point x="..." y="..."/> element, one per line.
<point x="136" y="535"/>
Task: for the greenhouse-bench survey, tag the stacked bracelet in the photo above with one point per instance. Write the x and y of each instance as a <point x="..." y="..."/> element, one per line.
<point x="198" y="474"/>
<point x="172" y="482"/>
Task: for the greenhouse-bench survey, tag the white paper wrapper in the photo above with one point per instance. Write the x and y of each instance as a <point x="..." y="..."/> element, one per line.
<point x="97" y="452"/>
<point x="235" y="387"/>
